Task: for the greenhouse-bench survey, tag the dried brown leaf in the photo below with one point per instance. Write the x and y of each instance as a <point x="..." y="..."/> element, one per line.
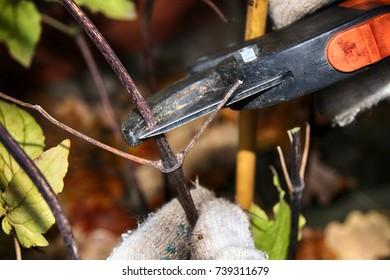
<point x="361" y="236"/>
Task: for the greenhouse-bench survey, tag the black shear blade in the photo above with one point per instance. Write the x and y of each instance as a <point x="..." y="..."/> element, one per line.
<point x="280" y="66"/>
<point x="172" y="102"/>
<point x="187" y="100"/>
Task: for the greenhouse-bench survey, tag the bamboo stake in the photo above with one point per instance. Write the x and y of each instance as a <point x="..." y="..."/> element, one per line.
<point x="246" y="156"/>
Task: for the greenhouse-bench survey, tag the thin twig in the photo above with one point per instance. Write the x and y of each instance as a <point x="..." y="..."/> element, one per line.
<point x="169" y="159"/>
<point x="305" y="153"/>
<point x="155" y="164"/>
<point x="109" y="112"/>
<point x="100" y="86"/>
<point x="116" y="65"/>
<point x="102" y="91"/>
<point x="45" y="190"/>
<point x="147" y="48"/>
<point x="196" y="137"/>
<point x="18" y="250"/>
<point x="92" y="67"/>
<point x="214" y="7"/>
<point x="284" y="168"/>
<point x="60" y="26"/>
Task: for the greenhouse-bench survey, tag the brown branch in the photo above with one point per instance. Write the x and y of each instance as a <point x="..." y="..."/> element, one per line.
<point x="109" y="112"/>
<point x="295" y="181"/>
<point x="169" y="159"/>
<point x="296" y="155"/>
<point x="216" y="10"/>
<point x="18" y="250"/>
<point x="100" y="86"/>
<point x="155" y="164"/>
<point x="82" y="44"/>
<point x="147" y="48"/>
<point x="92" y="67"/>
<point x="196" y="137"/>
<point x="296" y="195"/>
<point x="112" y="59"/>
<point x="305" y="154"/>
<point x="284" y="168"/>
<point x="172" y="166"/>
<point x="44" y="189"/>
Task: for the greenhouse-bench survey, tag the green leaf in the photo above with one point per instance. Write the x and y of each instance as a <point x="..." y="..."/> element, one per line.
<point x="25" y="130"/>
<point x="273" y="235"/>
<point x="295" y="130"/>
<point x="20" y="29"/>
<point x="27" y="213"/>
<point x="118" y="9"/>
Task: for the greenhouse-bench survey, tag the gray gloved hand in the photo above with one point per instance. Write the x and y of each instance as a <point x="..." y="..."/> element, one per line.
<point x="222" y="232"/>
<point x="342" y="102"/>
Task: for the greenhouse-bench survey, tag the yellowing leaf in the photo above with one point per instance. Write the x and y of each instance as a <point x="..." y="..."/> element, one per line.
<point x="118" y="9"/>
<point x="26" y="212"/>
<point x="273" y="236"/>
<point x="20" y="29"/>
<point x="2" y="209"/>
<point x="24" y="129"/>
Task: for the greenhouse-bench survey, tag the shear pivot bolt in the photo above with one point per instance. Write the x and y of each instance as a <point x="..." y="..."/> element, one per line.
<point x="247" y="54"/>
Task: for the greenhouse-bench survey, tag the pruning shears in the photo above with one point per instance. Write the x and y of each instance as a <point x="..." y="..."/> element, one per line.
<point x="331" y="46"/>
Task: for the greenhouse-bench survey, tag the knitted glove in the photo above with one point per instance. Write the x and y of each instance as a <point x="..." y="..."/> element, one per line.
<point x="342" y="102"/>
<point x="284" y="12"/>
<point x="222" y="232"/>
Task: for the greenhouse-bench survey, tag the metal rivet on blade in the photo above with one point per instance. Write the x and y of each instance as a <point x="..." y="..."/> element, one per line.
<point x="247" y="54"/>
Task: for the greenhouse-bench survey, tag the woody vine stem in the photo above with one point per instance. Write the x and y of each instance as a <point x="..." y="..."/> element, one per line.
<point x="169" y="159"/>
<point x="170" y="162"/>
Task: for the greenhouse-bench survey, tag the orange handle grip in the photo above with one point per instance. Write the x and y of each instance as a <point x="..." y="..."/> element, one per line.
<point x="364" y="4"/>
<point x="361" y="45"/>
